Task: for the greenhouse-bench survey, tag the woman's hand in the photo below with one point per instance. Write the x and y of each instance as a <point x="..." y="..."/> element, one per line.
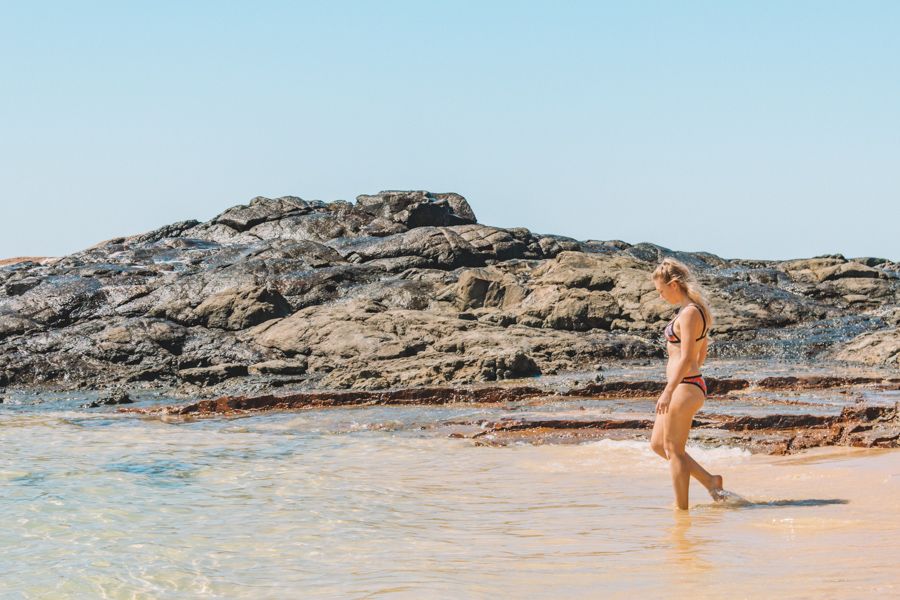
<point x="662" y="405"/>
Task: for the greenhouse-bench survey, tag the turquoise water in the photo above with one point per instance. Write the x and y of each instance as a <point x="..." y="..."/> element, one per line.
<point x="377" y="502"/>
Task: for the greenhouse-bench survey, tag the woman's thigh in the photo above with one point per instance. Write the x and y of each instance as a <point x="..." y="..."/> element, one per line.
<point x="687" y="399"/>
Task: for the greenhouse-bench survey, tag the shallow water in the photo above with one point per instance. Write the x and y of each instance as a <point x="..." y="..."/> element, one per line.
<point x="372" y="502"/>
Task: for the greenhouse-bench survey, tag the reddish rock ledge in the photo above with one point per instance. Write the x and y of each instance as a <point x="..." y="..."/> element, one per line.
<point x="860" y="425"/>
<point x="229" y="405"/>
<point x="857" y="426"/>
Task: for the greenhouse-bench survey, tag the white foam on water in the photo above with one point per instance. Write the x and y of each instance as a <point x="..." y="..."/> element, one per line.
<point x="620" y="456"/>
<point x="641" y="449"/>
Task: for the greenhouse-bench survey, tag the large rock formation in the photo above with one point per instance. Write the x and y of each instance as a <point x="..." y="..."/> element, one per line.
<point x="403" y="289"/>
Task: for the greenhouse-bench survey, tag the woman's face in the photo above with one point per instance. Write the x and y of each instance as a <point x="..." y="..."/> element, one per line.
<point x="667" y="291"/>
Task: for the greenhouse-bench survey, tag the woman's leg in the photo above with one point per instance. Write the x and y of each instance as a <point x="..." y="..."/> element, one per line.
<point x="685" y="403"/>
<point x="658" y="436"/>
<point x="658" y="445"/>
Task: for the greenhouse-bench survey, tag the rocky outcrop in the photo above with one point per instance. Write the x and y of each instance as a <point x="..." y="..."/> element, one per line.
<point x="404" y="288"/>
<point x="880" y="347"/>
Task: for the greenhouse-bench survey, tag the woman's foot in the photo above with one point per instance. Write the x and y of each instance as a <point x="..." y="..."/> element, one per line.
<point x="717" y="489"/>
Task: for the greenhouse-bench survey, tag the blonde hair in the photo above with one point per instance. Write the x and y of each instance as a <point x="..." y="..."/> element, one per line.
<point x="670" y="270"/>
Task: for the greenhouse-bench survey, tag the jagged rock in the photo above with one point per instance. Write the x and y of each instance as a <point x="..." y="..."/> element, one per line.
<point x="580" y="310"/>
<point x="499" y="243"/>
<point x="417" y="209"/>
<point x="873" y="348"/>
<point x="260" y="210"/>
<point x="819" y="270"/>
<point x="168" y="231"/>
<point x="576" y="270"/>
<point x="487" y="288"/>
<point x="512" y="366"/>
<point x="874" y="291"/>
<point x="296" y="366"/>
<point x="870" y="261"/>
<point x="20" y="286"/>
<point x="62" y="300"/>
<point x="241" y="308"/>
<point x="428" y="247"/>
<point x="12" y="323"/>
<point x="406" y="288"/>
<point x="138" y="338"/>
<point x="211" y="375"/>
<point x="112" y="398"/>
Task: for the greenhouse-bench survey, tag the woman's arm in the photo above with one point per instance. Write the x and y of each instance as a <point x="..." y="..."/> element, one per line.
<point x="690" y="323"/>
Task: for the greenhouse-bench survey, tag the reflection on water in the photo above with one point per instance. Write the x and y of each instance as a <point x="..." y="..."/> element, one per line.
<point x="364" y="502"/>
<point x="687" y="548"/>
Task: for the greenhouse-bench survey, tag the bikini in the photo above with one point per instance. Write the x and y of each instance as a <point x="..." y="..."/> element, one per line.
<point x="672" y="338"/>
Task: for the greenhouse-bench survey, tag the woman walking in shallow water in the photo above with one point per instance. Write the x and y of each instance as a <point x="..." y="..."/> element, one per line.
<point x="685" y="392"/>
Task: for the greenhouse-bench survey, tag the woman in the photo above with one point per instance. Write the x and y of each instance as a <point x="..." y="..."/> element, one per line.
<point x="685" y="391"/>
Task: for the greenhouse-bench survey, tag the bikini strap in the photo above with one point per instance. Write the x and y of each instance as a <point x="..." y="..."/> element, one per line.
<point x="702" y="316"/>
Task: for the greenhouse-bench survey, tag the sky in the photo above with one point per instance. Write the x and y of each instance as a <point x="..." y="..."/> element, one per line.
<point x="764" y="129"/>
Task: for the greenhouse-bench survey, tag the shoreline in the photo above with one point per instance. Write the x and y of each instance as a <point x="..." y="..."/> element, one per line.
<point x="580" y="414"/>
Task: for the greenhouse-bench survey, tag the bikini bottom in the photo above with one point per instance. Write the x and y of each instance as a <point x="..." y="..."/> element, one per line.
<point x="696" y="380"/>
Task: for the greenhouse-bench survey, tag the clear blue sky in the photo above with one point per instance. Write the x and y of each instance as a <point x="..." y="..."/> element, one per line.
<point x="747" y="129"/>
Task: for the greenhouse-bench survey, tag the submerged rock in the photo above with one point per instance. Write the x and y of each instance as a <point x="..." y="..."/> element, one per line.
<point x="112" y="398"/>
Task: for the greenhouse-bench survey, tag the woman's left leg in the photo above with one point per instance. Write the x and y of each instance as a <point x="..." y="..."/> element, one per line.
<point x="686" y="401"/>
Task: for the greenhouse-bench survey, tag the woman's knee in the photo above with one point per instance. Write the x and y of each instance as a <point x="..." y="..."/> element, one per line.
<point x="673" y="448"/>
<point x="658" y="447"/>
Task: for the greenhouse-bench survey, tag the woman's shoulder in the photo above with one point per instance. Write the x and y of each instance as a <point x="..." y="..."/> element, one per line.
<point x="701" y="309"/>
<point x="692" y="304"/>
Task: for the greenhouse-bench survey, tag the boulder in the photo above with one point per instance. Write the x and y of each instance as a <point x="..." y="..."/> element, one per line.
<point x="240" y="308"/>
<point x="417" y="208"/>
<point x="873" y="347"/>
<point x="580" y="310"/>
<point x="110" y="398"/>
<point x="478" y="288"/>
<point x="508" y="366"/>
<point x="261" y="209"/>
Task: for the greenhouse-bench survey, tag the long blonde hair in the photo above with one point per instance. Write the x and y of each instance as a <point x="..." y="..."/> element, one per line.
<point x="670" y="270"/>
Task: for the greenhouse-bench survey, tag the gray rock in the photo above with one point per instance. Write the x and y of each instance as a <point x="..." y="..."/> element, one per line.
<point x="404" y="289"/>
<point x="211" y="375"/>
<point x="417" y="209"/>
<point x="296" y="366"/>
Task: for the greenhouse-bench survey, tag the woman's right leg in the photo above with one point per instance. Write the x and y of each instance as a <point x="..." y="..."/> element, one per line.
<point x="657" y="444"/>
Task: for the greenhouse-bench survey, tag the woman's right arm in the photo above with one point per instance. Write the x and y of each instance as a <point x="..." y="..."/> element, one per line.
<point x="702" y="356"/>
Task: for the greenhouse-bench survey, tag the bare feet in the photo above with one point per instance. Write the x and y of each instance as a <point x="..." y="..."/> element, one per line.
<point x="717" y="489"/>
